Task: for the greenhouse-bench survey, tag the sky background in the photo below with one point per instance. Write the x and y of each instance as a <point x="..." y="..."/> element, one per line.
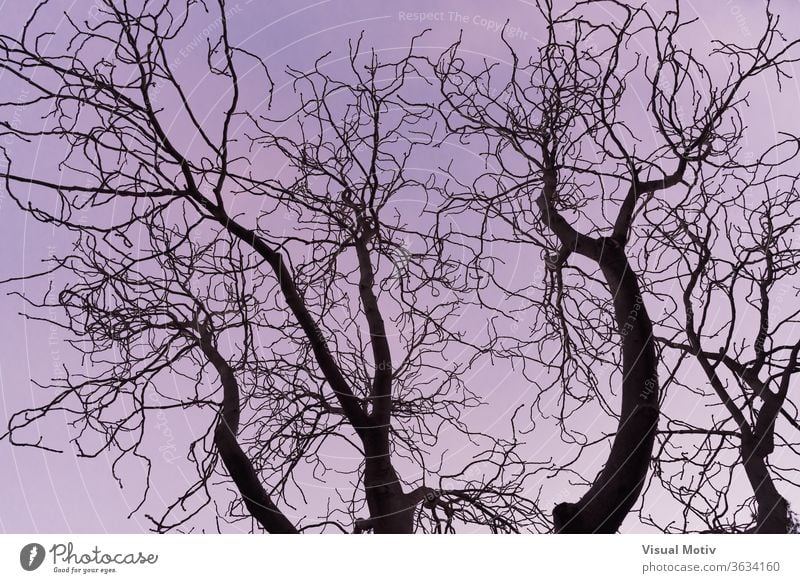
<point x="46" y="492"/>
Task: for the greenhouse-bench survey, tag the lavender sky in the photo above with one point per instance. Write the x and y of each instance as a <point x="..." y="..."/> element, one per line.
<point x="46" y="492"/>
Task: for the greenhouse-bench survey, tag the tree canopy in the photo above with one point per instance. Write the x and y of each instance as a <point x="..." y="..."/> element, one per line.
<point x="344" y="292"/>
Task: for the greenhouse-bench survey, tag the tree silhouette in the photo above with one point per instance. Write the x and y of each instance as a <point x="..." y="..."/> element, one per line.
<point x="733" y="236"/>
<point x="300" y="283"/>
<point x="302" y="307"/>
<point x="570" y="170"/>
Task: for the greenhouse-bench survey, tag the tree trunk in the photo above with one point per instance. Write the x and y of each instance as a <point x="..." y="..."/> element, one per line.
<point x="773" y="510"/>
<point x="615" y="490"/>
<point x="239" y="466"/>
<point x="391" y="511"/>
<point x="256" y="499"/>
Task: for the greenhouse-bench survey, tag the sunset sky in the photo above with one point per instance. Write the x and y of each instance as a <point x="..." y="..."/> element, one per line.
<point x="48" y="492"/>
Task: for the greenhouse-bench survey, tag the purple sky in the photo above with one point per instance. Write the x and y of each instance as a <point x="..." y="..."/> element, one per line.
<point x="45" y="492"/>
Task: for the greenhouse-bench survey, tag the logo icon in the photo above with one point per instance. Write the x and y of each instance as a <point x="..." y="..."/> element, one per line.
<point x="31" y="556"/>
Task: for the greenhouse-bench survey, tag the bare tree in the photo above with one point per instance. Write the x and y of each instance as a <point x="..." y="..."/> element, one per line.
<point x="300" y="313"/>
<point x="571" y="164"/>
<point x="733" y="236"/>
<point x="291" y="278"/>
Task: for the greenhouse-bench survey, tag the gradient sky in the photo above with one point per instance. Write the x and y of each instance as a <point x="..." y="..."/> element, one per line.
<point x="45" y="492"/>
